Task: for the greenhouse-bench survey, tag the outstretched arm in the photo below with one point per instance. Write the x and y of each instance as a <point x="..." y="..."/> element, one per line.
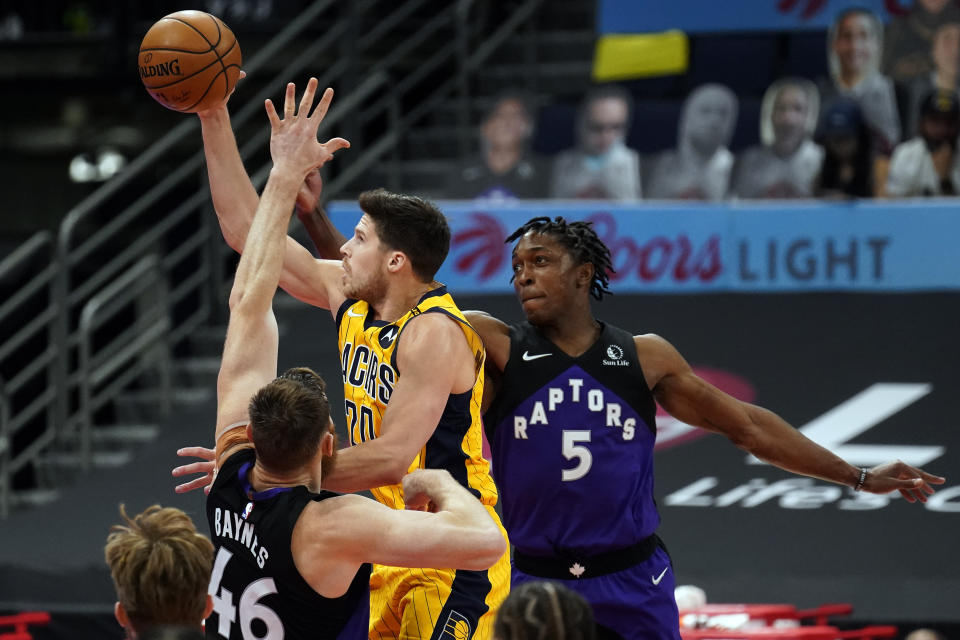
<point x="250" y="352"/>
<point x="761" y="432"/>
<point x="235" y="201"/>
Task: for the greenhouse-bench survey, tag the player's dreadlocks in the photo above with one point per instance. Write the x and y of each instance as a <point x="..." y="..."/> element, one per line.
<point x="581" y="241"/>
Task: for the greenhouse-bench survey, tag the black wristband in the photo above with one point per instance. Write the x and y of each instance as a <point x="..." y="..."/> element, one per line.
<point x="863" y="478"/>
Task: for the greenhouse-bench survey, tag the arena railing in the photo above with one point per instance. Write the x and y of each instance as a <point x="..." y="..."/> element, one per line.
<point x="103" y="239"/>
<point x="107" y="367"/>
<point x="29" y="355"/>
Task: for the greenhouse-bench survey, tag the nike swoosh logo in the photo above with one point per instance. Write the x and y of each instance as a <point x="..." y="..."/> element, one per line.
<point x="657" y="580"/>
<point x="527" y="357"/>
<point x="354" y="315"/>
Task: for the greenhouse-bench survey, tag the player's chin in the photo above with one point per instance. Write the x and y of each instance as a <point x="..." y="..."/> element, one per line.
<point x="534" y="310"/>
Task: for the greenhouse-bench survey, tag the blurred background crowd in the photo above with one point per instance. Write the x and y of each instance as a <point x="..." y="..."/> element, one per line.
<point x="846" y="101"/>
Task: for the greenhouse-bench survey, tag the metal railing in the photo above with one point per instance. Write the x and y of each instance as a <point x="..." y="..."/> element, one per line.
<point x="28" y="395"/>
<point x="97" y="266"/>
<point x="106" y="369"/>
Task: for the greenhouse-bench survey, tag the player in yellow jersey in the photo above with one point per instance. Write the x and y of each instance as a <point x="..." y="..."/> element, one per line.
<point x="412" y="379"/>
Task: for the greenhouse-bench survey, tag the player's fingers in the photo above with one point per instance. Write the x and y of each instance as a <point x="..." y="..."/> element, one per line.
<point x="321" y="111"/>
<point x="335" y="144"/>
<point x="289" y="100"/>
<point x="243" y="74"/>
<point x="196" y="452"/>
<point x="907" y="495"/>
<point x="306" y="101"/>
<point x="271" y="113"/>
<point x="930" y="478"/>
<point x="193" y="467"/>
<point x="197" y="483"/>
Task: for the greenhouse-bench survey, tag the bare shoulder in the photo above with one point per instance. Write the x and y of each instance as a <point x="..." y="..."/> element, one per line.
<point x="485" y="324"/>
<point x="658" y="358"/>
<point x="329" y="521"/>
<point x="495" y="334"/>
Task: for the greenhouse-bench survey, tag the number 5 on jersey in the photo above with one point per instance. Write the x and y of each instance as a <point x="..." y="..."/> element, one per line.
<point x="573" y="450"/>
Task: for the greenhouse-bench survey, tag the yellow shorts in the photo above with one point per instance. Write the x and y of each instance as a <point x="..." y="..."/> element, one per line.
<point x="436" y="603"/>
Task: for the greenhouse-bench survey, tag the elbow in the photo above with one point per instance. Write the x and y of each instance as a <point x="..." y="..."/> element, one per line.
<point x="488" y="550"/>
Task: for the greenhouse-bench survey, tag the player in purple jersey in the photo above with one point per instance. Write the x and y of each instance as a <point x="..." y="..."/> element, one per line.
<point x="577" y="497"/>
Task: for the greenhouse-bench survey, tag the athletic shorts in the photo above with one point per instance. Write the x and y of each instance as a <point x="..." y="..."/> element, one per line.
<point x="635" y="603"/>
<point x="436" y="603"/>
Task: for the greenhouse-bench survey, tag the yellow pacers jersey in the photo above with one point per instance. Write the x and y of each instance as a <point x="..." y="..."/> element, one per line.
<point x="422" y="603"/>
<point x="368" y="360"/>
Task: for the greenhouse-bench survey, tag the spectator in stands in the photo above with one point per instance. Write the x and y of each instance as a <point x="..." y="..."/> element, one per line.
<point x="506" y="168"/>
<point x="847" y="170"/>
<point x="601" y="166"/>
<point x="945" y="53"/>
<point x="908" y="38"/>
<point x="542" y="609"/>
<point x="161" y="569"/>
<point x="788" y="162"/>
<point x="699" y="168"/>
<point x="928" y="165"/>
<point x="853" y="52"/>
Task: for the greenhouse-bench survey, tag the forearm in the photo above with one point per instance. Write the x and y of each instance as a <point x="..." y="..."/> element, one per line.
<point x="366" y="466"/>
<point x="234" y="197"/>
<point x="326" y="237"/>
<point x="262" y="262"/>
<point x="774" y="441"/>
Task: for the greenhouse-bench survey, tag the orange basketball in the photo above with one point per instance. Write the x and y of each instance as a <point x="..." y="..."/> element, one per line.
<point x="189" y="61"/>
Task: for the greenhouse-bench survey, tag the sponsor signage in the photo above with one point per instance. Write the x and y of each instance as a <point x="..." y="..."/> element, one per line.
<point x="687" y="248"/>
<point x="692" y="16"/>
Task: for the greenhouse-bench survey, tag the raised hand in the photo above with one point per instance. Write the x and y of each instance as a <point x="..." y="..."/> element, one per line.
<point x="293" y="139"/>
<point x="222" y="105"/>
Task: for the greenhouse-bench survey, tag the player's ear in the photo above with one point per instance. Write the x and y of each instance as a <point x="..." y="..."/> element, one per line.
<point x="327" y="443"/>
<point x="121" y="615"/>
<point x="249" y="431"/>
<point x="396" y="260"/>
<point x="585" y="274"/>
<point x="208" y="607"/>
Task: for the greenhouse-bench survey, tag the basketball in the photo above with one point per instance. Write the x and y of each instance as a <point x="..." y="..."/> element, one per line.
<point x="189" y="61"/>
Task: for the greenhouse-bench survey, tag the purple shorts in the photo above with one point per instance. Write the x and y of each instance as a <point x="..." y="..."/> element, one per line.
<point x="636" y="603"/>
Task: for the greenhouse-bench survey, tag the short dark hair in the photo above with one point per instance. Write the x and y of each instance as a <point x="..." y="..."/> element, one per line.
<point x="288" y="418"/>
<point x="412" y="225"/>
<point x="581" y="241"/>
<point x="540" y="610"/>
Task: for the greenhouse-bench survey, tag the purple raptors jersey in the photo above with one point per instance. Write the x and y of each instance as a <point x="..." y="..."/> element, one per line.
<point x="572" y="444"/>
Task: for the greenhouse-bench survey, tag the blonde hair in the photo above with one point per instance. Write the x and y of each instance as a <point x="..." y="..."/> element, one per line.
<point x="770" y="98"/>
<point x="160" y="567"/>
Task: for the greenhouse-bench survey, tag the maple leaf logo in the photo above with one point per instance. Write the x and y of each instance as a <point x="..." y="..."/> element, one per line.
<point x="490" y="252"/>
<point x="577" y="570"/>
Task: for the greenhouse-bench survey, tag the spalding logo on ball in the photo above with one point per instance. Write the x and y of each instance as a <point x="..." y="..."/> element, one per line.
<point x="189" y="61"/>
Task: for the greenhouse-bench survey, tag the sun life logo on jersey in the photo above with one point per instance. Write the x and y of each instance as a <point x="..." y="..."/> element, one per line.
<point x="387" y="335"/>
<point x="615" y="355"/>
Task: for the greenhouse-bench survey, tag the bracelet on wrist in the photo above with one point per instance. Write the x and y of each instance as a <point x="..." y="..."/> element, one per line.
<point x="863" y="478"/>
